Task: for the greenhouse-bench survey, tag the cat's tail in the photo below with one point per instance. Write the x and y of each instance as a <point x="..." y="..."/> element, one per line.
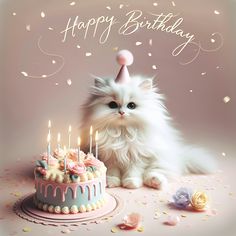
<point x="199" y="161"/>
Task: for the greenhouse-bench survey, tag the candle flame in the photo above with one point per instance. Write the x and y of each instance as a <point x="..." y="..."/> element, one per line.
<point x="58" y="137"/>
<point x="69" y="130"/>
<point x="49" y="124"/>
<point x="49" y="137"/>
<point x="79" y="141"/>
<point x="91" y="130"/>
<point x="96" y="136"/>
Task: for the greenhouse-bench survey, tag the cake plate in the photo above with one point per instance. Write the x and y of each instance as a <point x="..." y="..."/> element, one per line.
<point x="26" y="209"/>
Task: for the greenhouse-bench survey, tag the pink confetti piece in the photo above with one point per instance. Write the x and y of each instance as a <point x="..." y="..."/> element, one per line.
<point x="121" y="6"/>
<point x="212" y="40"/>
<point x="172" y="220"/>
<point x="50" y="28"/>
<point x="173" y="3"/>
<point x="154" y="67"/>
<point x="190" y="90"/>
<point x="155" y="4"/>
<point x="149" y="54"/>
<point x="78" y="46"/>
<point x="132" y="220"/>
<point x="14" y="14"/>
<point x="88" y="54"/>
<point x="109" y="8"/>
<point x="203" y="73"/>
<point x="54" y="62"/>
<point x="216" y="12"/>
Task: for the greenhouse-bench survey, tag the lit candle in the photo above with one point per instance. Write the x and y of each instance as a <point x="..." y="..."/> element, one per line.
<point x="48" y="147"/>
<point x="90" y="139"/>
<point x="79" y="141"/>
<point x="69" y="134"/>
<point x="96" y="143"/>
<point x="58" y="141"/>
<point x="65" y="159"/>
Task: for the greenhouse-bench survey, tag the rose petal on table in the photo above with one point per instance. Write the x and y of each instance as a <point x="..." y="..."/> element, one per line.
<point x="132" y="220"/>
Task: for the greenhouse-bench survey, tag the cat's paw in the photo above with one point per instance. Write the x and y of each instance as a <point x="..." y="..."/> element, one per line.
<point x="156" y="180"/>
<point x="132" y="182"/>
<point x="113" y="181"/>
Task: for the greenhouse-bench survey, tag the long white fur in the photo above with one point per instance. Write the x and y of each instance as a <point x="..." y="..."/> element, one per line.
<point x="142" y="147"/>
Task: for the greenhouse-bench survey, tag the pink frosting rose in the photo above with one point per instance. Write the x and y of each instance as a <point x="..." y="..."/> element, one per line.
<point x="76" y="168"/>
<point x="92" y="161"/>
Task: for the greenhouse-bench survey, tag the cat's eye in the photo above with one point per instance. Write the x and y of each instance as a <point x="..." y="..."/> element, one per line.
<point x="112" y="105"/>
<point x="131" y="105"/>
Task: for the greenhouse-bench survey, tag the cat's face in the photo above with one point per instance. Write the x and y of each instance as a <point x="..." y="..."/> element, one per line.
<point x="122" y="104"/>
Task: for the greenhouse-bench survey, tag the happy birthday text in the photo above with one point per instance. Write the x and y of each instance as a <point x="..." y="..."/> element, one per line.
<point x="135" y="20"/>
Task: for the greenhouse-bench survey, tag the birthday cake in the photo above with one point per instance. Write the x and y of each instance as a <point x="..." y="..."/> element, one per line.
<point x="76" y="185"/>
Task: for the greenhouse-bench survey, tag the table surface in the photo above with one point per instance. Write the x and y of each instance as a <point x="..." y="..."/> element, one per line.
<point x="18" y="180"/>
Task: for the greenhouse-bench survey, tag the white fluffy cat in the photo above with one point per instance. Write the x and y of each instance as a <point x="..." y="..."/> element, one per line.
<point x="137" y="141"/>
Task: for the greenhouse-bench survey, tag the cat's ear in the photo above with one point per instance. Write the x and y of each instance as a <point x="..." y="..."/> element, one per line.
<point x="146" y="84"/>
<point x="99" y="82"/>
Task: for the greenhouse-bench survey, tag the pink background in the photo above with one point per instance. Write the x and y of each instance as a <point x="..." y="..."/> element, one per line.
<point x="27" y="104"/>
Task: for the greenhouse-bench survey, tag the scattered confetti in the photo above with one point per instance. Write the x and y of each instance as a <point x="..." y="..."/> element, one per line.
<point x="121" y="6"/>
<point x="226" y="99"/>
<point x="190" y="90"/>
<point x="172" y="220"/>
<point x="223" y="154"/>
<point x="14" y="14"/>
<point x="26" y="229"/>
<point x="24" y="73"/>
<point x="114" y="230"/>
<point x="66" y="231"/>
<point x="69" y="82"/>
<point x="216" y="12"/>
<point x="78" y="46"/>
<point x="115" y="49"/>
<point x="154" y="67"/>
<point x="217" y="67"/>
<point x="28" y="27"/>
<point x="72" y="3"/>
<point x="88" y="54"/>
<point x="50" y="28"/>
<point x="138" y="43"/>
<point x="212" y="40"/>
<point x="150" y="42"/>
<point x="149" y="54"/>
<point x="54" y="62"/>
<point x="56" y="84"/>
<point x="155" y="4"/>
<point x="44" y="76"/>
<point x="203" y="73"/>
<point x="173" y="3"/>
<point x="42" y="14"/>
<point x="109" y="8"/>
<point x="140" y="229"/>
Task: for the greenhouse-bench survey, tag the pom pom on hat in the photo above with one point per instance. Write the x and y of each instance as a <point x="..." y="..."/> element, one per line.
<point x="124" y="58"/>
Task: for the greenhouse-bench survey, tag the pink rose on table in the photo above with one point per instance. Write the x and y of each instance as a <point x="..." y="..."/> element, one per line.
<point x="92" y="161"/>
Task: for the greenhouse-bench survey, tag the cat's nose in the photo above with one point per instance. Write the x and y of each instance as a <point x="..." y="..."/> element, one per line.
<point x="121" y="113"/>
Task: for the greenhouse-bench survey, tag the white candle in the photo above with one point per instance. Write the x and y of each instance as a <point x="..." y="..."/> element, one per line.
<point x="79" y="141"/>
<point x="48" y="147"/>
<point x="90" y="139"/>
<point x="69" y="134"/>
<point x="58" y="141"/>
<point x="96" y="143"/>
<point x="49" y="126"/>
<point x="65" y="159"/>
